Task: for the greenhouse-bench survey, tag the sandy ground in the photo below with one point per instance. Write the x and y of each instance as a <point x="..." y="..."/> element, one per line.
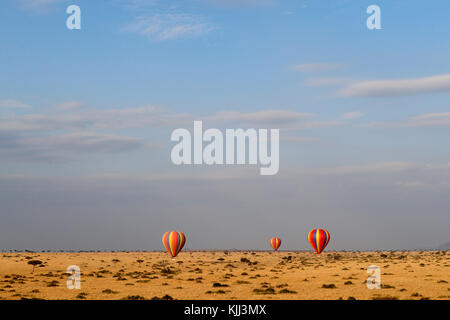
<point x="226" y="275"/>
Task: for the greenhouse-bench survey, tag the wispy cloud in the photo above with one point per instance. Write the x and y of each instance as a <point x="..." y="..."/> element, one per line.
<point x="75" y="119"/>
<point x="273" y="117"/>
<point x="429" y="119"/>
<point x="65" y="147"/>
<point x="93" y="119"/>
<point x="9" y="103"/>
<point x="170" y="26"/>
<point x="316" y="67"/>
<point x="69" y="105"/>
<point x="352" y="115"/>
<point x="68" y="131"/>
<point x="423" y="120"/>
<point x="382" y="88"/>
<point x="283" y="119"/>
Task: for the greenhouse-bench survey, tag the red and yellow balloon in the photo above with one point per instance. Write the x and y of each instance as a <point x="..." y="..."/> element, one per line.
<point x="275" y="242"/>
<point x="173" y="241"/>
<point x="318" y="238"/>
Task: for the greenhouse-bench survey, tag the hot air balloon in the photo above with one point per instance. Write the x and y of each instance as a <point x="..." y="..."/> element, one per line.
<point x="319" y="238"/>
<point x="173" y="241"/>
<point x="275" y="242"/>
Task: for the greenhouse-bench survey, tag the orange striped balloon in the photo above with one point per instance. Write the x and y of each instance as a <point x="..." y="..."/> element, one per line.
<point x="318" y="238"/>
<point x="275" y="242"/>
<point x="173" y="241"/>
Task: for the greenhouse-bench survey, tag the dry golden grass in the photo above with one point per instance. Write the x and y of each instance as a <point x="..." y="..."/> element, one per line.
<point x="227" y="275"/>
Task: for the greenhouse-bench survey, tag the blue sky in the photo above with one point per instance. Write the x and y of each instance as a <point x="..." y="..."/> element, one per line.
<point x="358" y="109"/>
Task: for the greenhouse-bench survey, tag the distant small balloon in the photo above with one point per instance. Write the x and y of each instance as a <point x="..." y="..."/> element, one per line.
<point x="275" y="242"/>
<point x="319" y="238"/>
<point x="173" y="242"/>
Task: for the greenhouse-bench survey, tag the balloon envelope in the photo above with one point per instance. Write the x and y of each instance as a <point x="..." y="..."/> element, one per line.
<point x="275" y="242"/>
<point x="173" y="242"/>
<point x="318" y="238"/>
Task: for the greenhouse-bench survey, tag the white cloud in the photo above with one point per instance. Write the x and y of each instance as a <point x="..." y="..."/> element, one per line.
<point x="380" y="88"/>
<point x="9" y="103"/>
<point x="423" y="120"/>
<point x="272" y="117"/>
<point x="65" y="147"/>
<point x="85" y="142"/>
<point x="153" y="117"/>
<point x="69" y="105"/>
<point x="352" y="115"/>
<point x="282" y="119"/>
<point x="61" y="136"/>
<point x="94" y="119"/>
<point x="429" y="119"/>
<point x="170" y="26"/>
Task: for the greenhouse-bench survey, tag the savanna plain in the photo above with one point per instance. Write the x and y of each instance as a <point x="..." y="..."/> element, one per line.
<point x="225" y="275"/>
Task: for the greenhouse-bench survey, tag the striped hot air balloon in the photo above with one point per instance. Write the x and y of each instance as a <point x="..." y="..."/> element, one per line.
<point x="173" y="241"/>
<point x="319" y="238"/>
<point x="275" y="242"/>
